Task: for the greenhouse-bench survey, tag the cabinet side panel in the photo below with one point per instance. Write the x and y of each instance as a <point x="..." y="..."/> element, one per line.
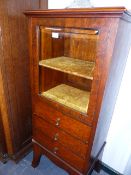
<point x="119" y="58"/>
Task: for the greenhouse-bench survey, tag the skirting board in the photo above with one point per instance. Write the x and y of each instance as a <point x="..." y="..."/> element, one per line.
<point x="102" y="166"/>
<point x="22" y="153"/>
<point x="4" y="158"/>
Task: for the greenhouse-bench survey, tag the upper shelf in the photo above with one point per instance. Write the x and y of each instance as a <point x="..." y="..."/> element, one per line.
<point x="69" y="65"/>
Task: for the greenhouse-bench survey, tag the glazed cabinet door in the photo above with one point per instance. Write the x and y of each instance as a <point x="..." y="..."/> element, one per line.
<point x="64" y="64"/>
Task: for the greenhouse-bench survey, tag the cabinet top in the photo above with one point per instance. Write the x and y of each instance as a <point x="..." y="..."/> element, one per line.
<point x="80" y="12"/>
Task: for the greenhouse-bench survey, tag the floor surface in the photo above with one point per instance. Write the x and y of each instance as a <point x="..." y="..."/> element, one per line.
<point x="46" y="167"/>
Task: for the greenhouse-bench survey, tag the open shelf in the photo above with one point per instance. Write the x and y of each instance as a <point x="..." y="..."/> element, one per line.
<point x="69" y="96"/>
<point x="69" y="65"/>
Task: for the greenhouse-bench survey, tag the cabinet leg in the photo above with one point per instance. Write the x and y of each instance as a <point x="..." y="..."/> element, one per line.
<point x="36" y="155"/>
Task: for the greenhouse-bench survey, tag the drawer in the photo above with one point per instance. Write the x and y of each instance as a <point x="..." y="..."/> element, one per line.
<point x="59" y="150"/>
<point x="68" y="124"/>
<point x="57" y="135"/>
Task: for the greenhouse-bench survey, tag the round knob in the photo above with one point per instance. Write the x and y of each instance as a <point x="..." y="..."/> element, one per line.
<point x="56" y="136"/>
<point x="57" y="122"/>
<point x="55" y="150"/>
<point x="86" y="142"/>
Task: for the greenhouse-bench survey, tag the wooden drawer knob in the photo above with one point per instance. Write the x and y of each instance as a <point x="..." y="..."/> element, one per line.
<point x="55" y="150"/>
<point x="57" y="122"/>
<point x="56" y="136"/>
<point x="86" y="142"/>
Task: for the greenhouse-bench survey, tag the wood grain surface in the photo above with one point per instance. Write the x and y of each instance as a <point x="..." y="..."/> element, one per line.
<point x="14" y="69"/>
<point x="84" y="127"/>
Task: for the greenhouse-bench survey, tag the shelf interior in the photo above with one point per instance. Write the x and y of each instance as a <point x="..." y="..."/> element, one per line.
<point x="69" y="65"/>
<point x="69" y="96"/>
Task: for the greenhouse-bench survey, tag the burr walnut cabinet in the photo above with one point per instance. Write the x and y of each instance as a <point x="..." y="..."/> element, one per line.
<point x="77" y="57"/>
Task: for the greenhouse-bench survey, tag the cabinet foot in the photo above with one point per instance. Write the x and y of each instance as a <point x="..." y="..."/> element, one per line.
<point x="36" y="156"/>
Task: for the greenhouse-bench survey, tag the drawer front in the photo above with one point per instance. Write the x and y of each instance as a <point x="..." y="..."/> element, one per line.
<point x="59" y="150"/>
<point x="69" y="125"/>
<point x="57" y="135"/>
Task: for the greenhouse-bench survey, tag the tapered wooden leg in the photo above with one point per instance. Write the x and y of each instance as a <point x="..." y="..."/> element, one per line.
<point x="36" y="155"/>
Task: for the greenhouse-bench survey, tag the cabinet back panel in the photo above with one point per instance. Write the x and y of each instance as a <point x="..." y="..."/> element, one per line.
<point x="74" y="43"/>
<point x="50" y="78"/>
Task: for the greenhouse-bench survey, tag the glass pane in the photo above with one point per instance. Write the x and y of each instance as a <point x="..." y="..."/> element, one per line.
<point x="67" y="62"/>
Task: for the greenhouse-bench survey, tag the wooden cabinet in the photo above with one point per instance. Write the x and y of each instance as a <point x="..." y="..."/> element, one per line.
<point x="3" y="149"/>
<point x="73" y="55"/>
<point x="15" y="98"/>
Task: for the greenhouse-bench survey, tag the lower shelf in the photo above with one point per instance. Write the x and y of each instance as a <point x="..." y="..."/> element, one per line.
<point x="69" y="96"/>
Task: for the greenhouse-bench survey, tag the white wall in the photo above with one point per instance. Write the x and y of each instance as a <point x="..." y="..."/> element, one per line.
<point x="58" y="4"/>
<point x="118" y="148"/>
<point x="100" y="3"/>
